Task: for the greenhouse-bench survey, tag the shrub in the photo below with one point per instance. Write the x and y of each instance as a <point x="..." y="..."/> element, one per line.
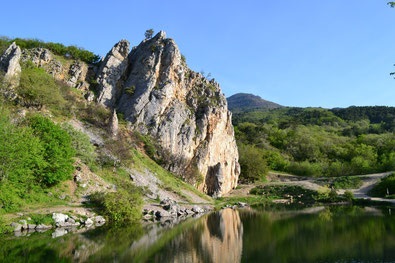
<point x="37" y="88"/>
<point x="348" y="195"/>
<point x="253" y="165"/>
<point x="58" y="151"/>
<point x="305" y="168"/>
<point x="346" y="182"/>
<point x="120" y="207"/>
<point x="385" y="187"/>
<point x="81" y="144"/>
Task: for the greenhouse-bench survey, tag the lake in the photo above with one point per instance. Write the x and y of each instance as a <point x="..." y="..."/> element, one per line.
<point x="319" y="234"/>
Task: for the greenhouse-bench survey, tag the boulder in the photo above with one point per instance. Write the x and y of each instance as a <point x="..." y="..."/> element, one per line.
<point x="16" y="227"/>
<point x="9" y="63"/>
<point x="59" y="218"/>
<point x="99" y="220"/>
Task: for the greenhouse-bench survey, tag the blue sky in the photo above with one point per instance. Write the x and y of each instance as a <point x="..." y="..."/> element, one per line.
<point x="303" y="53"/>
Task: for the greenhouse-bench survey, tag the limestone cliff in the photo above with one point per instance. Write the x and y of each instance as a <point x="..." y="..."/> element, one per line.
<point x="186" y="113"/>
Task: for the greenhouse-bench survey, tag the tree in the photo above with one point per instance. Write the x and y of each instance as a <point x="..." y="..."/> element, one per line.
<point x="149" y="33"/>
<point x="391" y="4"/>
<point x="253" y="165"/>
<point x="58" y="150"/>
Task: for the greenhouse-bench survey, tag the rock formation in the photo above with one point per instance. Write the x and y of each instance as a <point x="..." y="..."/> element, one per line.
<point x="186" y="113"/>
<point x="110" y="73"/>
<point x="9" y="63"/>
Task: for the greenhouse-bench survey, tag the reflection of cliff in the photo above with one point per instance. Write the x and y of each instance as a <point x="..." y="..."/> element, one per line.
<point x="216" y="238"/>
<point x="222" y="239"/>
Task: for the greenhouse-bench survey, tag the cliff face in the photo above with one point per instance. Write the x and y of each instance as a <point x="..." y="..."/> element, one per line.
<point x="186" y="113"/>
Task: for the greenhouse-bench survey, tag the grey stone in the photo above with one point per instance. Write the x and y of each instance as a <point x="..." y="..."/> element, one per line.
<point x="24" y="224"/>
<point x="89" y="222"/>
<point x="161" y="214"/>
<point x="99" y="220"/>
<point x="16" y="227"/>
<point x="31" y="226"/>
<point x="9" y="63"/>
<point x="43" y="227"/>
<point x="59" y="218"/>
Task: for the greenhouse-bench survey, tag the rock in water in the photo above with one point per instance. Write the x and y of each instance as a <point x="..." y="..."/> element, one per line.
<point x="185" y="112"/>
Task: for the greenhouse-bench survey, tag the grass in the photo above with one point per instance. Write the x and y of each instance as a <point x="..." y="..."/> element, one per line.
<point x="172" y="183"/>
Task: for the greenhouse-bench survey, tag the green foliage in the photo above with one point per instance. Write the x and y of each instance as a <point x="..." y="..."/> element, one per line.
<point x="58" y="151"/>
<point x="84" y="149"/>
<point x="347" y="182"/>
<point x="348" y="195"/>
<point x="33" y="155"/>
<point x="58" y="49"/>
<point x="37" y="88"/>
<point x="45" y="219"/>
<point x="297" y="193"/>
<point x="120" y="207"/>
<point x="149" y="33"/>
<point x="130" y="90"/>
<point x="320" y="142"/>
<point x="385" y="188"/>
<point x="252" y="164"/>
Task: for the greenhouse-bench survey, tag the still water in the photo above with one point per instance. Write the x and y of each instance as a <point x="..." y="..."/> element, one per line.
<point x="321" y="234"/>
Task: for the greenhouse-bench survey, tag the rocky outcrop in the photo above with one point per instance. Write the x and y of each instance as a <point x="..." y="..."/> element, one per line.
<point x="73" y="73"/>
<point x="182" y="110"/>
<point x="9" y="63"/>
<point x="110" y="73"/>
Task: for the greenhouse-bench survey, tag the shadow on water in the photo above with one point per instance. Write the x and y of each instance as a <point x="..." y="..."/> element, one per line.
<point x="321" y="234"/>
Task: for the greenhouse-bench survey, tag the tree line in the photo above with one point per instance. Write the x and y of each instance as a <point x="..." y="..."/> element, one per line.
<point x="316" y="141"/>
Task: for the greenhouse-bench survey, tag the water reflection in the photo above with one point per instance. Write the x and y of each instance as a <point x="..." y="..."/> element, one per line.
<point x="217" y="237"/>
<point x="320" y="234"/>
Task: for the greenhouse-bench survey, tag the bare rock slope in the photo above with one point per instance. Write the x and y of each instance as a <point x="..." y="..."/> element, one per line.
<point x="182" y="110"/>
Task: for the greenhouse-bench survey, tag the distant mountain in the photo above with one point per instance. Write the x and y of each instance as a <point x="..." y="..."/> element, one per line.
<point x="245" y="101"/>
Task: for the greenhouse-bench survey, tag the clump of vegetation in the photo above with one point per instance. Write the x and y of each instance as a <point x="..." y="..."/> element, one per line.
<point x="130" y="90"/>
<point x="72" y="52"/>
<point x="253" y="165"/>
<point x="84" y="149"/>
<point x="58" y="151"/>
<point x="120" y="207"/>
<point x="34" y="155"/>
<point x="347" y="182"/>
<point x="37" y="88"/>
<point x="293" y="192"/>
<point x="385" y="188"/>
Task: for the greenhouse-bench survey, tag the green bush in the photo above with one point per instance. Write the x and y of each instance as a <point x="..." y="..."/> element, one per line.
<point x="121" y="207"/>
<point x="58" y="150"/>
<point x="346" y="182"/>
<point x="37" y="88"/>
<point x="84" y="149"/>
<point x="59" y="49"/>
<point x="305" y="168"/>
<point x="385" y="187"/>
<point x="252" y="164"/>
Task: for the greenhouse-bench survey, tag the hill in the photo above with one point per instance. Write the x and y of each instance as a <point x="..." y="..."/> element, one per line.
<point x="244" y="101"/>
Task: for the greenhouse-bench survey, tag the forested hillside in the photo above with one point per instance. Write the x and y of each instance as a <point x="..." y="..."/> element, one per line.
<point x="316" y="141"/>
